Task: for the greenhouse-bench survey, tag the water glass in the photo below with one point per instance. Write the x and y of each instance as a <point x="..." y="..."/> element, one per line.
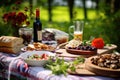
<point x="26" y="34"/>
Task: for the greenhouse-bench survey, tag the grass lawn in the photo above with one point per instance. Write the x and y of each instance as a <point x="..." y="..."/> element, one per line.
<point x="61" y="13"/>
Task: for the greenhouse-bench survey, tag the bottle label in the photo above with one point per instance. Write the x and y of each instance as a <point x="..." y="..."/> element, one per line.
<point x="39" y="35"/>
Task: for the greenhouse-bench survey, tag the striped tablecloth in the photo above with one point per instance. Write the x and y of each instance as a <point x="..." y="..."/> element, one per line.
<point x="18" y="67"/>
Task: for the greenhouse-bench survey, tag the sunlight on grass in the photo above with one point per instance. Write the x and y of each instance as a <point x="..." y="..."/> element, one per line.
<point x="92" y="14"/>
<point x="79" y="13"/>
<point x="43" y="14"/>
<point x="61" y="13"/>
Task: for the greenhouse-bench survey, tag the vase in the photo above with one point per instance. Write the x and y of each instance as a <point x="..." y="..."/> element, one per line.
<point x="15" y="31"/>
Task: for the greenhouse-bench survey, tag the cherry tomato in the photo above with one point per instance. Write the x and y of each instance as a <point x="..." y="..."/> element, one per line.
<point x="44" y="56"/>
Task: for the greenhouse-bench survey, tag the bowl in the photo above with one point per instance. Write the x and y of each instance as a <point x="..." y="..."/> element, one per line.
<point x="33" y="62"/>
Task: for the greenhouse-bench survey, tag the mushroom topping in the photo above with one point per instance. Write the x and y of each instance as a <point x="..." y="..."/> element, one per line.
<point x="111" y="61"/>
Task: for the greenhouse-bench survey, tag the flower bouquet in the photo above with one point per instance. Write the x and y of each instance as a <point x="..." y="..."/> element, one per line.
<point x="16" y="19"/>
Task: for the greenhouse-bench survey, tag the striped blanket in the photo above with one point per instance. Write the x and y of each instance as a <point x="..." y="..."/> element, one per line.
<point x="16" y="66"/>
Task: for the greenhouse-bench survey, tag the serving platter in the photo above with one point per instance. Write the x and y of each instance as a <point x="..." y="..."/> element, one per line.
<point x="100" y="70"/>
<point x="88" y="69"/>
<point x="38" y="47"/>
<point x="81" y="52"/>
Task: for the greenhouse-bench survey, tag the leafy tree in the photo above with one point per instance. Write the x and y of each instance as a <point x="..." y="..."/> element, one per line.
<point x="111" y="9"/>
<point x="7" y="2"/>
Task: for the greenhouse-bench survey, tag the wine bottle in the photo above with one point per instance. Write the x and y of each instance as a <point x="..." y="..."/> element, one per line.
<point x="37" y="28"/>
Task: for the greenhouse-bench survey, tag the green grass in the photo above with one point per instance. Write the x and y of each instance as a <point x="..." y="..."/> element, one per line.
<point x="61" y="14"/>
<point x="92" y="14"/>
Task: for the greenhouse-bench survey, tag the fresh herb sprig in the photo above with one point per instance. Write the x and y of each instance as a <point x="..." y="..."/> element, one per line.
<point x="77" y="61"/>
<point x="59" y="66"/>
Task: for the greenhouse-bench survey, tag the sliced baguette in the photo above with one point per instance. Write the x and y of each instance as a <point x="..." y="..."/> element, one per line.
<point x="14" y="50"/>
<point x="9" y="41"/>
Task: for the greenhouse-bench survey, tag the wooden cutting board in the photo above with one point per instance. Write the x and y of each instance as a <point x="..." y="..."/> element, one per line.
<point x="63" y="53"/>
<point x="80" y="70"/>
<point x="89" y="69"/>
<point x="100" y="70"/>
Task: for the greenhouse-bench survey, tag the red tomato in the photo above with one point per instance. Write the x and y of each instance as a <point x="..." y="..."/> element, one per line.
<point x="44" y="56"/>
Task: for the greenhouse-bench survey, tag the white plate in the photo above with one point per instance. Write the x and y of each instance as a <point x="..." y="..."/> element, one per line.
<point x="25" y="55"/>
<point x="23" y="49"/>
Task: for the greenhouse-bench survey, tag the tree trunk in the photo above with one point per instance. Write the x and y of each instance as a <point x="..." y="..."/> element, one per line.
<point x="116" y="5"/>
<point x="117" y="20"/>
<point x="107" y="10"/>
<point x="85" y="9"/>
<point x="97" y="6"/>
<point x="113" y="6"/>
<point x="50" y="10"/>
<point x="31" y="8"/>
<point x="71" y="6"/>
